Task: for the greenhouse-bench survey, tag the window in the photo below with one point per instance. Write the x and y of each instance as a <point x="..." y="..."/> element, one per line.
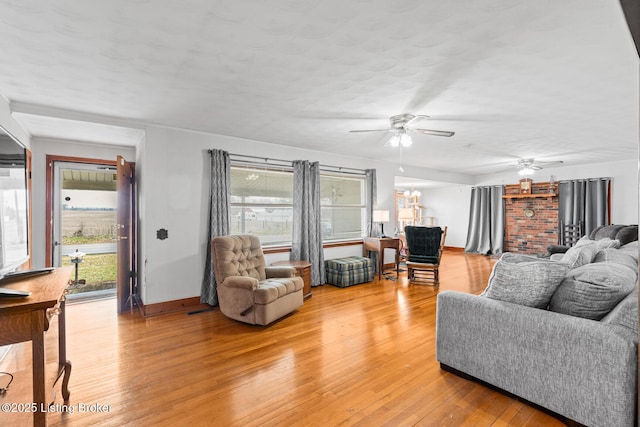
<point x="262" y="204"/>
<point x="342" y="198"/>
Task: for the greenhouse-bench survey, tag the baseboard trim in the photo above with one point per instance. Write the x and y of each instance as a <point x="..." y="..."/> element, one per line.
<point x="166" y="307"/>
<point x="453" y="249"/>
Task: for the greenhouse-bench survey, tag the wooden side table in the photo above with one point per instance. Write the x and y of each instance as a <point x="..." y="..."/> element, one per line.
<point x="303" y="269"/>
<point x="27" y="319"/>
<point x="379" y="244"/>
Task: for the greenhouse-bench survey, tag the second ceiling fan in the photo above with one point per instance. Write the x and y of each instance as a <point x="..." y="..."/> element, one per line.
<point x="401" y="125"/>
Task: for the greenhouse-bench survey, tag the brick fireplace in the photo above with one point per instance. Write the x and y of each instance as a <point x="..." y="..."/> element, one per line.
<point x="531" y="220"/>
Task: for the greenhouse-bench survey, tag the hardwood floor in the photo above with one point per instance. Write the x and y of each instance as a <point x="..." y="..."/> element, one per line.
<point x="363" y="355"/>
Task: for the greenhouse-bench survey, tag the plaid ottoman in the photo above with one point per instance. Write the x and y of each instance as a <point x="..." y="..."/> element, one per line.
<point x="349" y="271"/>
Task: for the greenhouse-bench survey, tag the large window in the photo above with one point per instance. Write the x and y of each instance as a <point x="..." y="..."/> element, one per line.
<point x="342" y="198"/>
<point x="262" y="204"/>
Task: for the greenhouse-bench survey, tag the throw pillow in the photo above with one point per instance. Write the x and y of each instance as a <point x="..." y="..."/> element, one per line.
<point x="617" y="256"/>
<point x="592" y="290"/>
<point x="585" y="250"/>
<point x="579" y="255"/>
<point x="607" y="243"/>
<point x="524" y="280"/>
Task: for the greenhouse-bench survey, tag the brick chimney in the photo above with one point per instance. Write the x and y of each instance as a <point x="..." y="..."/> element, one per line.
<point x="531" y="220"/>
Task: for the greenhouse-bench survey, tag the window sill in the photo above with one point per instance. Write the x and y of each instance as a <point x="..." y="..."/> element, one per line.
<point x="325" y="245"/>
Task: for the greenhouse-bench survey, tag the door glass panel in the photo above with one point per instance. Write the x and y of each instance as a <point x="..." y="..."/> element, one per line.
<point x="87" y="225"/>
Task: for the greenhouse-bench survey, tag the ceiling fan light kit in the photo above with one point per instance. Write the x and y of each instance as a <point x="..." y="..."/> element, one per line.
<point x="401" y="125"/>
<point x="526" y="171"/>
<point x="400" y="139"/>
<point x="529" y="166"/>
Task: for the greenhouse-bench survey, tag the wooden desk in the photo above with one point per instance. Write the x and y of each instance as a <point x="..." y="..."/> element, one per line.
<point x="27" y="319"/>
<point x="379" y="244"/>
<point x="303" y="269"/>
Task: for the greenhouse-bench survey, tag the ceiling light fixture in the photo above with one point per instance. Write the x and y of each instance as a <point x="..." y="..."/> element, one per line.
<point x="412" y="193"/>
<point x="526" y="171"/>
<point x="401" y="139"/>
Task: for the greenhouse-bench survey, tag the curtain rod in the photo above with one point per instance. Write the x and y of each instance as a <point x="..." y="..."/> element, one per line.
<point x="585" y="179"/>
<point x="342" y="169"/>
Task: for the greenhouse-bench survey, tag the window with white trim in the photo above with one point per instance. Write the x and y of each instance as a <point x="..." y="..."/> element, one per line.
<point x="261" y="203"/>
<point x="342" y="198"/>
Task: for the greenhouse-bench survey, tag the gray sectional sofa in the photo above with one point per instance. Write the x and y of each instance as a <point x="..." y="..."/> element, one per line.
<point x="560" y="334"/>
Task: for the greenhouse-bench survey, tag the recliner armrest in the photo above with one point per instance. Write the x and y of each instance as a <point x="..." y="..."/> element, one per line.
<point x="241" y="282"/>
<point x="277" y="272"/>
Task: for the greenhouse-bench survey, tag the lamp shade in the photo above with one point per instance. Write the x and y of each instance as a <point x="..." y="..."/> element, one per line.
<point x="380" y="216"/>
<point x="406" y="214"/>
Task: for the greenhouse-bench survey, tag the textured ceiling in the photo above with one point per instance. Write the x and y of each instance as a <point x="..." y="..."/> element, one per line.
<point x="552" y="80"/>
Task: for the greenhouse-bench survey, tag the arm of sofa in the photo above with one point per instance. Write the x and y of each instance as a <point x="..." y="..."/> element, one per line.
<point x="579" y="368"/>
<point x="557" y="249"/>
<point x="278" y="272"/>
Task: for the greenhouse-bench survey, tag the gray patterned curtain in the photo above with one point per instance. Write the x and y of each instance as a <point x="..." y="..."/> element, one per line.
<point x="307" y="225"/>
<point x="219" y="190"/>
<point x="584" y="200"/>
<point x="486" y="221"/>
<point x="372" y="188"/>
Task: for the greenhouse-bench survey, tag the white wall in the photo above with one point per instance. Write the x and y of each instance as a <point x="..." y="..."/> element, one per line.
<point x="174" y="189"/>
<point x="40" y="148"/>
<point x="449" y="206"/>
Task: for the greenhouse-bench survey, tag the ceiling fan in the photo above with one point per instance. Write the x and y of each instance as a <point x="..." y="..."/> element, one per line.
<point x="529" y="166"/>
<point x="401" y="125"/>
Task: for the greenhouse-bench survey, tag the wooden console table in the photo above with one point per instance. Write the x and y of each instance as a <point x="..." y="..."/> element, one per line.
<point x="27" y="319"/>
<point x="379" y="244"/>
<point x="303" y="269"/>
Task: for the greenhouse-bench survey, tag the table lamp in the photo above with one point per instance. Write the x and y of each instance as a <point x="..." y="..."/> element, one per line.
<point x="381" y="216"/>
<point x="405" y="215"/>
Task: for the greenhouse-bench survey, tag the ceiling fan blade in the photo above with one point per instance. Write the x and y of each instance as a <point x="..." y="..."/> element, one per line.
<point x="371" y="130"/>
<point x="556" y="162"/>
<point x="434" y="132"/>
<point x="535" y="167"/>
<point x="416" y="119"/>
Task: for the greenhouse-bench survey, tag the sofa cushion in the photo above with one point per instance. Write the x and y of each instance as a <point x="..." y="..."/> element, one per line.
<point x="624" y="233"/>
<point x="627" y="234"/>
<point x="271" y="289"/>
<point x="625" y="313"/>
<point x="631" y="249"/>
<point x="585" y="251"/>
<point x="524" y="280"/>
<point x="591" y="291"/>
<point x="617" y="256"/>
<point x="605" y="231"/>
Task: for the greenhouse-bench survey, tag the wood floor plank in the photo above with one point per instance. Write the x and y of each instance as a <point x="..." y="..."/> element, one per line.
<point x="358" y="356"/>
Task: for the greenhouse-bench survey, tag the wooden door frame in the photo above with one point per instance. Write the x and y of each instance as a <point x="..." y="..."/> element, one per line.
<point x="50" y="159"/>
<point x="126" y="221"/>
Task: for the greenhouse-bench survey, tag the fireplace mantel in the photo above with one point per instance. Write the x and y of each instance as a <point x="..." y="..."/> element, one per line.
<point x="529" y="196"/>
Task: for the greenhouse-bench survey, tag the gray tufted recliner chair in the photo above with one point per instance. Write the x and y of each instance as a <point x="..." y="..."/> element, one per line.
<point x="248" y="290"/>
